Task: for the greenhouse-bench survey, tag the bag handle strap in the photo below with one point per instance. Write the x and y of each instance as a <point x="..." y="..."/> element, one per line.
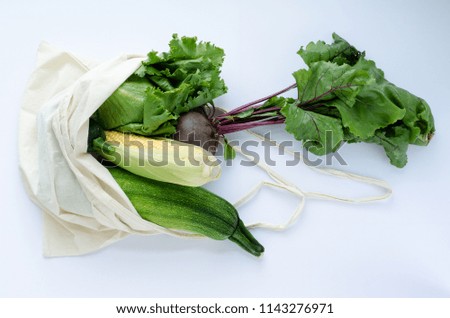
<point x="282" y="183"/>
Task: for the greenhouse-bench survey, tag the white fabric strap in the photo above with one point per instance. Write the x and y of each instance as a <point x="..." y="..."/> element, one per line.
<point x="281" y="183"/>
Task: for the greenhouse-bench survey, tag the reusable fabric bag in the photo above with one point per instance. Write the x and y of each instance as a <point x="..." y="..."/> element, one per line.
<point x="84" y="209"/>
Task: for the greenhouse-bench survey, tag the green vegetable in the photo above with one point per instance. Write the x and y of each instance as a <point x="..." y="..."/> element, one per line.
<point x="191" y="209"/>
<point x="165" y="86"/>
<point x="382" y="113"/>
<point x="342" y="97"/>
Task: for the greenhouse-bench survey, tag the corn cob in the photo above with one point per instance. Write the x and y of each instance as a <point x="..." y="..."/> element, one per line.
<point x="160" y="159"/>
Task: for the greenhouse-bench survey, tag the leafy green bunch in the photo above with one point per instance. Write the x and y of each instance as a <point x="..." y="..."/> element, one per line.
<point x="344" y="95"/>
<point x="166" y="85"/>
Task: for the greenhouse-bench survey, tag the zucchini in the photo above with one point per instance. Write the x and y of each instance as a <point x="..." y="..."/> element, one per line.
<point x="192" y="209"/>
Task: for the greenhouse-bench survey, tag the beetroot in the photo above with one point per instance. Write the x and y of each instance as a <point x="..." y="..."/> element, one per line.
<point x="195" y="127"/>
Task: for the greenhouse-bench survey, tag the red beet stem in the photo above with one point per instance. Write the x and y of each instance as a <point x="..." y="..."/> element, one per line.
<point x="249" y="105"/>
<point x="230" y="128"/>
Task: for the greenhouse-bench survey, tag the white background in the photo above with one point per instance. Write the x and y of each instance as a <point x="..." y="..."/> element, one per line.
<point x="396" y="248"/>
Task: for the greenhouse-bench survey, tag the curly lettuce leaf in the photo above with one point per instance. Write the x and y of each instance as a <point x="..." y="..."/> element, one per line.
<point x="166" y="85"/>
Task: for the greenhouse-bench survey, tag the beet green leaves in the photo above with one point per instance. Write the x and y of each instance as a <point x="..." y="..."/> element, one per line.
<point x="344" y="96"/>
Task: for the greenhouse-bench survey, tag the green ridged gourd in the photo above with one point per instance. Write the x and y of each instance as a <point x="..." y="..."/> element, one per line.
<point x="191" y="209"/>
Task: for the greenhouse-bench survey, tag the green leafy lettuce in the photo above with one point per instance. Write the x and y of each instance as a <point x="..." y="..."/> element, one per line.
<point x="165" y="86"/>
<point x="344" y="97"/>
